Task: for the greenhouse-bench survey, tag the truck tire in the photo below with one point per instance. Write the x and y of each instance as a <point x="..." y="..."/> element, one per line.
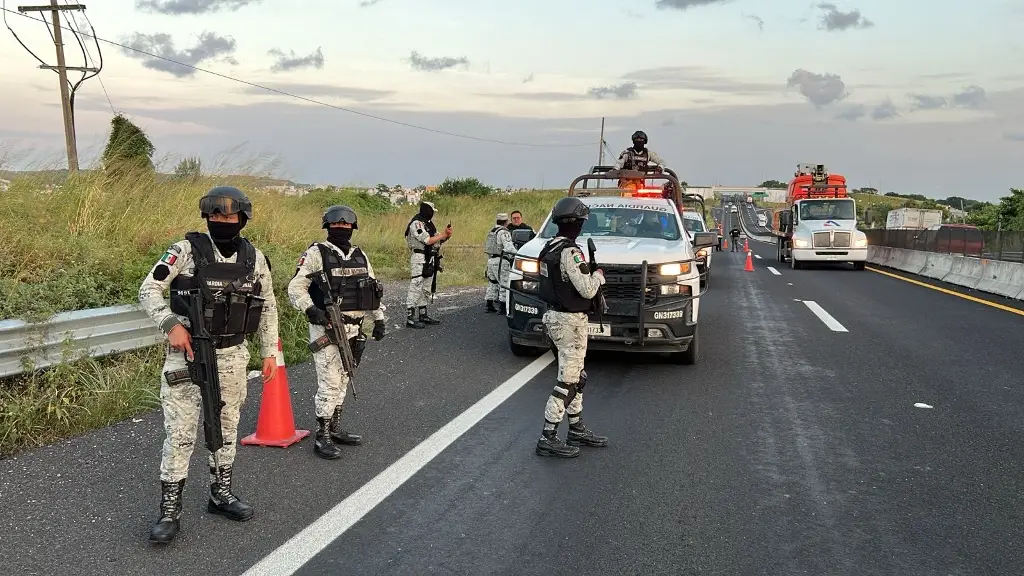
<point x="794" y="264"/>
<point x="688" y="357"/>
<point x="520" y="350"/>
<point x="859" y="265"/>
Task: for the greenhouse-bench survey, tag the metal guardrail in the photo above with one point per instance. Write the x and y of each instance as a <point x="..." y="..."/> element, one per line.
<point x="1007" y="246"/>
<point x="95" y="332"/>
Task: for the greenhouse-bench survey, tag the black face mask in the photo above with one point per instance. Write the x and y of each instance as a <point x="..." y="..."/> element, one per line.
<point x="571" y="230"/>
<point x="426" y="212"/>
<point x="224" y="234"/>
<point x="340" y="237"/>
<point x="638" y="146"/>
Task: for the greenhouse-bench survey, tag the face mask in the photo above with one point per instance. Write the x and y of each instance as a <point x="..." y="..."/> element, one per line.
<point x="427" y="212"/>
<point x="570" y="230"/>
<point x="223" y="231"/>
<point x="340" y="237"/>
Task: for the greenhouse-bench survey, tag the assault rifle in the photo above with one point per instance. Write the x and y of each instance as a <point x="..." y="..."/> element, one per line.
<point x="434" y="253"/>
<point x="598" y="305"/>
<point x="336" y="327"/>
<point x="203" y="371"/>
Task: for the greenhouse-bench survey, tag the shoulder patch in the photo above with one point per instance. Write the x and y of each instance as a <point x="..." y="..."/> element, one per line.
<point x="171" y="256"/>
<point x="577" y="256"/>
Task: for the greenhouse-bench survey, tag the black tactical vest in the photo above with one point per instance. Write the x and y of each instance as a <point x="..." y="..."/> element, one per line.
<point x="636" y="160"/>
<point x="232" y="305"/>
<point x="349" y="279"/>
<point x="560" y="295"/>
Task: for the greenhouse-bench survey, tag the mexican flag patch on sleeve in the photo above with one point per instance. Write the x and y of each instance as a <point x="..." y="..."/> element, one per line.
<point x="577" y="258"/>
<point x="169" y="258"/>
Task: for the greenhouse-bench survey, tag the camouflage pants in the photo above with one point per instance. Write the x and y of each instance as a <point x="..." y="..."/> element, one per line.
<point x="182" y="407"/>
<point x="494" y="291"/>
<point x="331" y="380"/>
<point x="419" y="287"/>
<point x="569" y="333"/>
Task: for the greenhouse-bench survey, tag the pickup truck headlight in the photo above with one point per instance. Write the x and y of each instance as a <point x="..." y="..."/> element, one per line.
<point x="674" y="269"/>
<point x="526" y="265"/>
<point x="801" y="243"/>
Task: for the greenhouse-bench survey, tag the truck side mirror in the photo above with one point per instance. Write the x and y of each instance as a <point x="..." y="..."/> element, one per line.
<point x="705" y="239"/>
<point x="521" y="237"/>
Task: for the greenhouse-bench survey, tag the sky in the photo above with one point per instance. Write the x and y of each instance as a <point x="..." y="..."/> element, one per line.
<point x="900" y="95"/>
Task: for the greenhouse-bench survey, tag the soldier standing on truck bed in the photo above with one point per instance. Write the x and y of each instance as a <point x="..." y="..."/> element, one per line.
<point x="567" y="287"/>
<point x="637" y="158"/>
<point x="229" y="267"/>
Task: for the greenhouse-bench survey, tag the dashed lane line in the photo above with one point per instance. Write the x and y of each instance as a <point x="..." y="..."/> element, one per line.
<point x="825" y="317"/>
<point x="774" y="271"/>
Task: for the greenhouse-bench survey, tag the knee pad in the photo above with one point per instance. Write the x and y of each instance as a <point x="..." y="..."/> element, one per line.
<point x="583" y="380"/>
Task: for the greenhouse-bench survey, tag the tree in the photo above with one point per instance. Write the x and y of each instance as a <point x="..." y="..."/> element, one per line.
<point x="383" y="189"/>
<point x="464" y="187"/>
<point x="189" y="169"/>
<point x="773" y="185"/>
<point x="128" y="149"/>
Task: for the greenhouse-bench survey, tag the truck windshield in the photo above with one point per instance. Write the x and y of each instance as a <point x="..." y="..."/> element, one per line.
<point x="838" y="209"/>
<point x="626" y="222"/>
<point x="693" y="225"/>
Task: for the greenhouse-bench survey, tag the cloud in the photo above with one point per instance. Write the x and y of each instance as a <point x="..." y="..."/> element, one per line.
<point x="686" y="4"/>
<point x="420" y="62"/>
<point x="321" y="90"/>
<point x="832" y="19"/>
<point x="622" y="91"/>
<point x="973" y="97"/>
<point x="757" y="20"/>
<point x="209" y="46"/>
<point x="695" y="78"/>
<point x="286" y="62"/>
<point x="528" y="79"/>
<point x="926" y="102"/>
<point x="819" y="89"/>
<point x="178" y="7"/>
<point x="540" y="96"/>
<point x="367" y="3"/>
<point x="885" y="111"/>
<point x="1014" y="136"/>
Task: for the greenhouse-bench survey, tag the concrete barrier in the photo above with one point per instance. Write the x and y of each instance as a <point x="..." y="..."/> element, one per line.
<point x="992" y="276"/>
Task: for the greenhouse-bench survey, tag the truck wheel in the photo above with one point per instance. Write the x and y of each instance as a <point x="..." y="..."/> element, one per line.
<point x="794" y="264"/>
<point x="859" y="265"/>
<point x="689" y="356"/>
<point x="520" y="350"/>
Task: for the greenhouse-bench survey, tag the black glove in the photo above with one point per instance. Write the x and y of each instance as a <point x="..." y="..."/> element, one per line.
<point x="317" y="316"/>
<point x="378" y="330"/>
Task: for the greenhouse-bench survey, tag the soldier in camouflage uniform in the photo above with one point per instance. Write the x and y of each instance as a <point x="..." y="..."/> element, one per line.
<point x="567" y="287"/>
<point x="421" y="236"/>
<point x="351" y="276"/>
<point x="500" y="256"/>
<point x="209" y="261"/>
<point x="637" y="158"/>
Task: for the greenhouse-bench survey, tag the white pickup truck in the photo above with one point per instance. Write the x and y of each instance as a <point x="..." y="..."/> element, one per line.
<point x="650" y="264"/>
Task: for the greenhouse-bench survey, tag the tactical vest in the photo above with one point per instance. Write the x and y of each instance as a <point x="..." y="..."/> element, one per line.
<point x="557" y="292"/>
<point x="491" y="247"/>
<point x="636" y="160"/>
<point x="232" y="305"/>
<point x="349" y="280"/>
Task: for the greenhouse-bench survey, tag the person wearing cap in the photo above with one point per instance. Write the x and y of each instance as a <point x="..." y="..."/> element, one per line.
<point x="423" y="239"/>
<point x="222" y="263"/>
<point x="351" y="279"/>
<point x="500" y="255"/>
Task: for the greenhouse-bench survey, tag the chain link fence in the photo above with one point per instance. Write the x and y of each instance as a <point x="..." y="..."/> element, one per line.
<point x="966" y="241"/>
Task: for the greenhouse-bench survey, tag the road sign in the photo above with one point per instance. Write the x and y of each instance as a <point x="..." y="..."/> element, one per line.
<point x="760" y="194"/>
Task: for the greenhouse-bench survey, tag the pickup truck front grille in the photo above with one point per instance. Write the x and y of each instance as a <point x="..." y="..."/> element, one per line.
<point x="822" y="240"/>
<point x="623" y="284"/>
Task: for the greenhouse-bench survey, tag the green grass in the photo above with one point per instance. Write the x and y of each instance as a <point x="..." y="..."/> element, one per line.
<point x="89" y="243"/>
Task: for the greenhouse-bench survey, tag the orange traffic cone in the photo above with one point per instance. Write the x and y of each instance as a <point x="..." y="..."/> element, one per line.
<point x="749" y="266"/>
<point x="276" y="424"/>
<point x="746" y="245"/>
<point x="725" y="244"/>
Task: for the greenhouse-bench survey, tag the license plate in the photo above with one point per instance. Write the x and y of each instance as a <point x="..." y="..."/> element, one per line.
<point x="599" y="329"/>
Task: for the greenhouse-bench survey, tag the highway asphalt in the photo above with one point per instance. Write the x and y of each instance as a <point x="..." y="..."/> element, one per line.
<point x="890" y="446"/>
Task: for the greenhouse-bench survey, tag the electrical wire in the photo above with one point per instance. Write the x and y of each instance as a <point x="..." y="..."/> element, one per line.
<point x="303" y="98"/>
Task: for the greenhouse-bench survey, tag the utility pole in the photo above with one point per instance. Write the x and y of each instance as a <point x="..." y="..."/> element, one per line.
<point x="62" y="71"/>
<point x="600" y="149"/>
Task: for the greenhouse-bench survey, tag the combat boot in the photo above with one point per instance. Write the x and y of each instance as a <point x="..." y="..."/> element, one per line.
<point x="222" y="501"/>
<point x="579" y="434"/>
<point x="551" y="445"/>
<point x="324" y="446"/>
<point x="340" y="435"/>
<point x="427" y="319"/>
<point x="490" y="307"/>
<point x="166" y="528"/>
<point x="411" y="321"/>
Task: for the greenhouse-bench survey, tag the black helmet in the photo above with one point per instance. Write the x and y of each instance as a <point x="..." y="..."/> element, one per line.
<point x="225" y="200"/>
<point x="639" y="135"/>
<point x="337" y="214"/>
<point x="569" y="208"/>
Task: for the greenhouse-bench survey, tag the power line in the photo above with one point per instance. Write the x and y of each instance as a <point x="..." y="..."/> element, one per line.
<point x="310" y="100"/>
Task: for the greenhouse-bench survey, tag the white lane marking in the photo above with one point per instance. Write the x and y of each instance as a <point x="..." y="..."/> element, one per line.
<point x="301" y="548"/>
<point x="770" y="269"/>
<point x="758" y="256"/>
<point x="825" y="317"/>
<point x="921" y="405"/>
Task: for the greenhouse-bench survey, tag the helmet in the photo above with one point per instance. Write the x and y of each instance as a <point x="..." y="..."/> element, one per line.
<point x="639" y="135"/>
<point x="340" y="214"/>
<point x="225" y="200"/>
<point x="569" y="208"/>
